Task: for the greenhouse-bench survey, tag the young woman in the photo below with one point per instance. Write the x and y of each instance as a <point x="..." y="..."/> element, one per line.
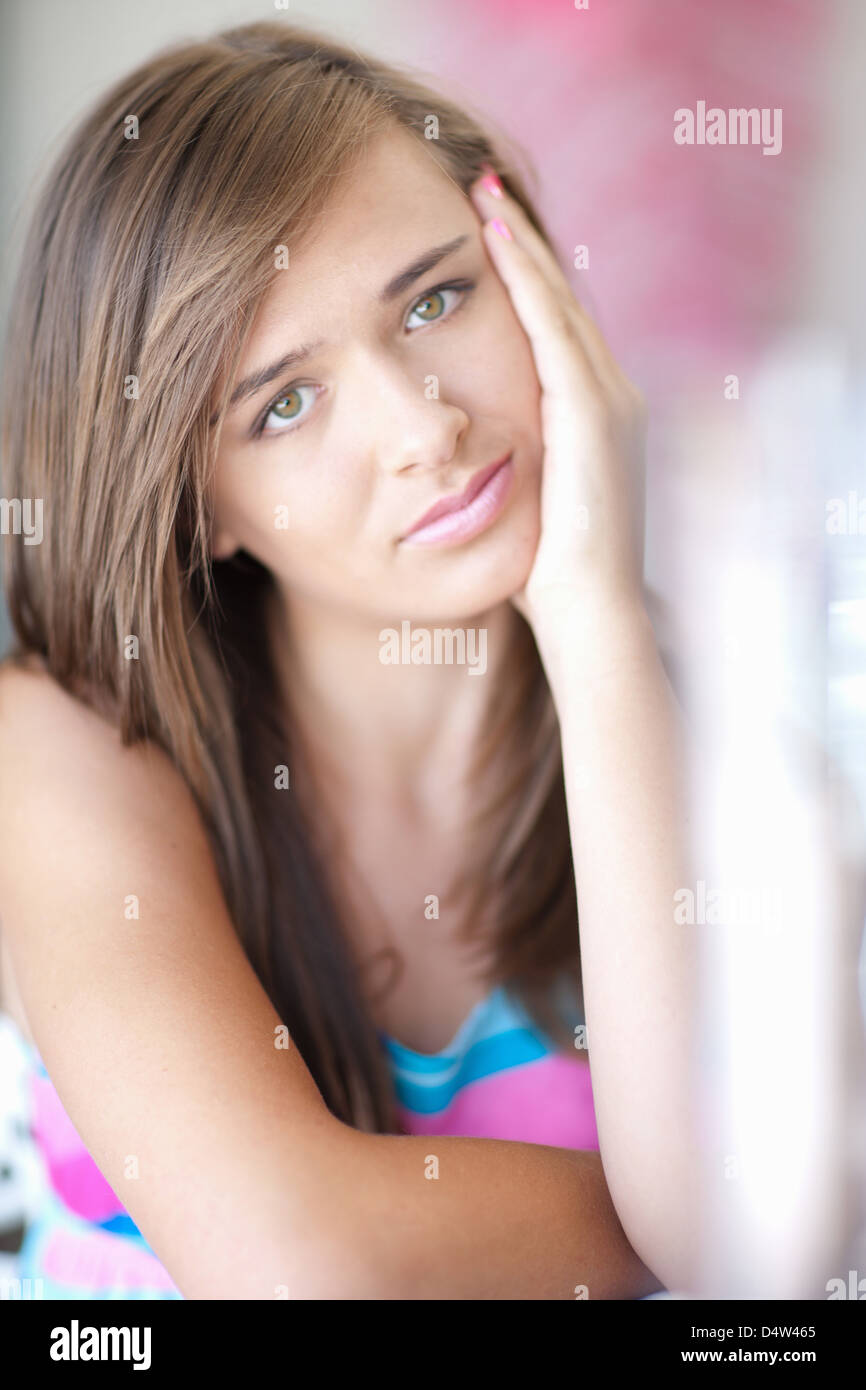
<point x="287" y="885"/>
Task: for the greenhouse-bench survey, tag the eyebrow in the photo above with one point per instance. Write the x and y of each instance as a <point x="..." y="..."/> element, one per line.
<point x="252" y="384"/>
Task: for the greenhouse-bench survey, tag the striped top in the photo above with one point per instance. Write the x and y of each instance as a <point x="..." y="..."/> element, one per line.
<point x="500" y="1077"/>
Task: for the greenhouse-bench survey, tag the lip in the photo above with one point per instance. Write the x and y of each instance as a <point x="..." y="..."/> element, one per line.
<point x="465" y="514"/>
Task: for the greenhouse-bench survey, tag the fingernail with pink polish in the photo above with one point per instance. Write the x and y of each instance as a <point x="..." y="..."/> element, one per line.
<point x="501" y="228"/>
<point x="491" y="181"/>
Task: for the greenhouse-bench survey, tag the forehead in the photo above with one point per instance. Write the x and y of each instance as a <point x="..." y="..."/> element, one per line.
<point x="394" y="203"/>
<point x="395" y="185"/>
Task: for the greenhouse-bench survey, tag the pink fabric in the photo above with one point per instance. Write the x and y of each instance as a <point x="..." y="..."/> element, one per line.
<point x="548" y="1101"/>
<point x="74" y="1175"/>
<point x="98" y="1259"/>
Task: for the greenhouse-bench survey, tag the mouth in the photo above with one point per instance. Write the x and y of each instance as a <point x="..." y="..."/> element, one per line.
<point x="465" y="514"/>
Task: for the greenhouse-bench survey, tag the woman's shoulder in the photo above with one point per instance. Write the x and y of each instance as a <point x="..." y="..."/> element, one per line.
<point x="39" y="716"/>
<point x="61" y="754"/>
<point x="45" y="733"/>
<point x="32" y="698"/>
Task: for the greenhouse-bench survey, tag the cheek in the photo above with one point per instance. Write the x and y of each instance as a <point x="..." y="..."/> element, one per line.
<point x="299" y="516"/>
<point x="268" y="495"/>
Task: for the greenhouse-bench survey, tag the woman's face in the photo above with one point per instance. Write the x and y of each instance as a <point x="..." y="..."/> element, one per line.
<point x="404" y="398"/>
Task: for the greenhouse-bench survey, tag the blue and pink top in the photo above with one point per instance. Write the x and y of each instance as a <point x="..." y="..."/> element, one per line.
<point x="500" y="1077"/>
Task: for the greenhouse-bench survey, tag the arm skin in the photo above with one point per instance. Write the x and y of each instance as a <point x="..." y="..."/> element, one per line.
<point x="159" y="1039"/>
<point x="503" y="1220"/>
<point x="623" y="744"/>
<point x="622" y="749"/>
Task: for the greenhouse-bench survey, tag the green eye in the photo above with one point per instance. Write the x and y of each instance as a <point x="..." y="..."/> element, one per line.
<point x="431" y="306"/>
<point x="287" y="407"/>
<point x="441" y="303"/>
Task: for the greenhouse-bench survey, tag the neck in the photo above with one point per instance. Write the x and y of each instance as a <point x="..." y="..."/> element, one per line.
<point x="404" y="733"/>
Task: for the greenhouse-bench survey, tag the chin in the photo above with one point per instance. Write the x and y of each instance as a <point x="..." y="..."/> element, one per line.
<point x="479" y="577"/>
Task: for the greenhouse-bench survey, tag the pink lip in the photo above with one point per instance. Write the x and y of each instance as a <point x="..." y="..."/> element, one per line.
<point x="467" y="513"/>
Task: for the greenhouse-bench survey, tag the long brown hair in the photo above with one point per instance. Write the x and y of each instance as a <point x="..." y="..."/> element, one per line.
<point x="143" y="268"/>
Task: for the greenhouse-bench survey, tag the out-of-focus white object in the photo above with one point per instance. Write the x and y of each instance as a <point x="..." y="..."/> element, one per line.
<point x="772" y="603"/>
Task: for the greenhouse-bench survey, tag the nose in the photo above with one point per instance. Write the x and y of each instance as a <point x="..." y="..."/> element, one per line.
<point x="415" y="427"/>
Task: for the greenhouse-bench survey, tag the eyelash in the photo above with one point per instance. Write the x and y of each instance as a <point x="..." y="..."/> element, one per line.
<point x="464" y="286"/>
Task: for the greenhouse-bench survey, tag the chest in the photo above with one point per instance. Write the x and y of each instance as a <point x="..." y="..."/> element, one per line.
<point x="419" y="974"/>
<point x="420" y="998"/>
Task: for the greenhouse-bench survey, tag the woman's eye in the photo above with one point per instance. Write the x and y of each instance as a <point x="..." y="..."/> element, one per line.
<point x="434" y="305"/>
<point x="287" y="411"/>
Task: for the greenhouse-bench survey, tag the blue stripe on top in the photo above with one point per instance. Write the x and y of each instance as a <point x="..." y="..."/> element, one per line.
<point x="499" y="1033"/>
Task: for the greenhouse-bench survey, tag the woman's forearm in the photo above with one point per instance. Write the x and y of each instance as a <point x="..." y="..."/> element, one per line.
<point x="623" y="753"/>
<point x="467" y="1218"/>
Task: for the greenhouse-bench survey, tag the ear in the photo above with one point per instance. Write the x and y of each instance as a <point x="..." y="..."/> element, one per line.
<point x="224" y="545"/>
